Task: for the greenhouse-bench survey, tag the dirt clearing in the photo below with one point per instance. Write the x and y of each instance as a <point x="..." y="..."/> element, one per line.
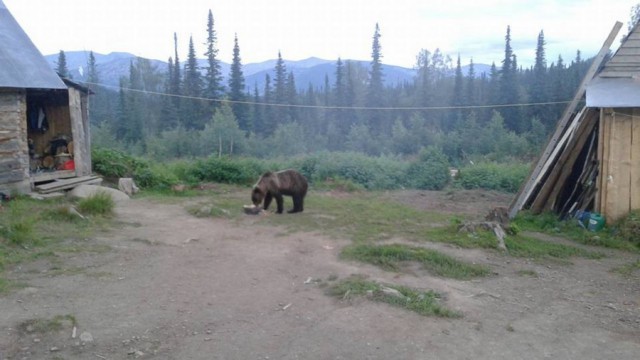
<point x="173" y="286"/>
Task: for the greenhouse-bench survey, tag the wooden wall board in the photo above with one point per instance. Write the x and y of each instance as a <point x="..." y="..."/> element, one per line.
<point x="619" y="177"/>
<point x="599" y="158"/>
<point x="635" y="160"/>
<point x="607" y="120"/>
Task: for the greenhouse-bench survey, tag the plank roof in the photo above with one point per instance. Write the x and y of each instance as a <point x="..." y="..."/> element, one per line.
<point x="21" y="63"/>
<point x="617" y="84"/>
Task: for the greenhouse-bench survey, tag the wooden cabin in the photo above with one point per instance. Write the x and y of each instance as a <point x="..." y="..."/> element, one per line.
<point x="592" y="161"/>
<point x="615" y="94"/>
<point x="44" y="125"/>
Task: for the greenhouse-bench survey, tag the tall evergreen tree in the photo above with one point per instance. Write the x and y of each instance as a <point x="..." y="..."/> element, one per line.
<point x="213" y="87"/>
<point x="291" y="97"/>
<point x="169" y="112"/>
<point x="470" y="94"/>
<point x="61" y="65"/>
<point x="192" y="89"/>
<point x="375" y="91"/>
<point x="268" y="121"/>
<point x="509" y="88"/>
<point x="236" y="89"/>
<point x="280" y="91"/>
<point x="92" y="71"/>
<point x="455" y="116"/>
<point x="539" y="89"/>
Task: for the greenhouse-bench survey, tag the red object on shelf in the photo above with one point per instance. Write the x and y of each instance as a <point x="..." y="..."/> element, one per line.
<point x="69" y="165"/>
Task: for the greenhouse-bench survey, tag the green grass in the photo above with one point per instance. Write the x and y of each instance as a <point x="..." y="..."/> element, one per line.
<point x="369" y="217"/>
<point x="32" y="229"/>
<point x="389" y="257"/>
<point x="425" y="303"/>
<point x="549" y="223"/>
<point x="100" y="203"/>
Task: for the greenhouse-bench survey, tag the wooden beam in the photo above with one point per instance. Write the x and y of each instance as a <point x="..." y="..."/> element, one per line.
<point x="526" y="191"/>
<point x="635" y="160"/>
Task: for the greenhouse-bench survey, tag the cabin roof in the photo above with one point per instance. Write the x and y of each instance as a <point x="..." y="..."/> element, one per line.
<point x="617" y="84"/>
<point x="21" y="63"/>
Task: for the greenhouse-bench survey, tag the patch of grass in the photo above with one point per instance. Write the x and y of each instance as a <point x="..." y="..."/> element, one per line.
<point x="528" y="247"/>
<point x="99" y="204"/>
<point x="549" y="223"/>
<point x="422" y="302"/>
<point x="32" y="229"/>
<point x="363" y="218"/>
<point x="628" y="269"/>
<point x="43" y="326"/>
<point x="389" y="257"/>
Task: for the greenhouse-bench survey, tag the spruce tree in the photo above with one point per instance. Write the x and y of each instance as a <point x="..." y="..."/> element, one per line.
<point x="61" y="65"/>
<point x="268" y="122"/>
<point x="192" y="89"/>
<point x="279" y="91"/>
<point x="213" y="87"/>
<point x="539" y="90"/>
<point x="375" y="91"/>
<point x="508" y="93"/>
<point x="455" y="115"/>
<point x="236" y="92"/>
<point x="470" y="94"/>
<point x="92" y="71"/>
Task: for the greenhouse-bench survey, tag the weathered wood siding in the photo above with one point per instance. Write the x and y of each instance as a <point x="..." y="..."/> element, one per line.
<point x="14" y="151"/>
<point x="619" y="163"/>
<point x="80" y="131"/>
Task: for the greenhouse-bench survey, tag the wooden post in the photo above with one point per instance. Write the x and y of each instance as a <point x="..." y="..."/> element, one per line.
<point x="526" y="191"/>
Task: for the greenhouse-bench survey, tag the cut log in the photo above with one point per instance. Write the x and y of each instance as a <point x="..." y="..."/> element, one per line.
<point x="497" y="229"/>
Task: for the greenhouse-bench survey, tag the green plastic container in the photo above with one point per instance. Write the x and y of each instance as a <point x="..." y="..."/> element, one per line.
<point x="596" y="222"/>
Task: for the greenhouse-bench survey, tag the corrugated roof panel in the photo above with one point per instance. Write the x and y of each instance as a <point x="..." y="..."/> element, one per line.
<point x="21" y="63"/>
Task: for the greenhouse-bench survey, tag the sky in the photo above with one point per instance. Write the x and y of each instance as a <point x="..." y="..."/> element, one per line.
<point x="328" y="29"/>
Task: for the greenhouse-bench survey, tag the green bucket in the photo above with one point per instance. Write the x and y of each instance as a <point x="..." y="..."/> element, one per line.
<point x="596" y="222"/>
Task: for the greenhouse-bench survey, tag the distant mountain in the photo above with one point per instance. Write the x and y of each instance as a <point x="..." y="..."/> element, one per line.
<point x="113" y="66"/>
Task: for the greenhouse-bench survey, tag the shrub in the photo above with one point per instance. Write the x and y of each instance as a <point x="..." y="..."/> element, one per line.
<point x="430" y="171"/>
<point x="227" y="170"/>
<point x="629" y="227"/>
<point x="493" y="176"/>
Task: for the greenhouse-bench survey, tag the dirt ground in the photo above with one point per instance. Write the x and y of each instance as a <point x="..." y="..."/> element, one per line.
<point x="173" y="286"/>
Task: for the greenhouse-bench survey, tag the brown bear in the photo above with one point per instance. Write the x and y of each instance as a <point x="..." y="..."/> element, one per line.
<point x="275" y="185"/>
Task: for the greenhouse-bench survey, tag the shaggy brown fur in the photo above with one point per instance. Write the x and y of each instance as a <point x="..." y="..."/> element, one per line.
<point x="276" y="184"/>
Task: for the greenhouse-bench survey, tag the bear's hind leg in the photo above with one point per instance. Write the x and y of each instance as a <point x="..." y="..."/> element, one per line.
<point x="297" y="204"/>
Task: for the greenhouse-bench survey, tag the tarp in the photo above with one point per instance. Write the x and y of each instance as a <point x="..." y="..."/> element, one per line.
<point x="21" y="63"/>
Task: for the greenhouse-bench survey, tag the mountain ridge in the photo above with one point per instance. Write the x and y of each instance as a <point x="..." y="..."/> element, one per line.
<point x="307" y="72"/>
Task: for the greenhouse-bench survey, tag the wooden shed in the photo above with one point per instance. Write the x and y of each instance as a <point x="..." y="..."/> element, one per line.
<point x="44" y="125"/>
<point x="592" y="161"/>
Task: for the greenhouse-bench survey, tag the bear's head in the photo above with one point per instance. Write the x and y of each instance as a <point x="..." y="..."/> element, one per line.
<point x="257" y="195"/>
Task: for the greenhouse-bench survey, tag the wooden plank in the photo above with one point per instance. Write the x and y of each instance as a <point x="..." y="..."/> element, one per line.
<point x="599" y="158"/>
<point x="624" y="185"/>
<point x="619" y="178"/>
<point x="569" y="157"/>
<point x="96" y="181"/>
<point x="543" y="194"/>
<point x="531" y="183"/>
<point x="607" y="120"/>
<point x="60" y="183"/>
<point x="635" y="160"/>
